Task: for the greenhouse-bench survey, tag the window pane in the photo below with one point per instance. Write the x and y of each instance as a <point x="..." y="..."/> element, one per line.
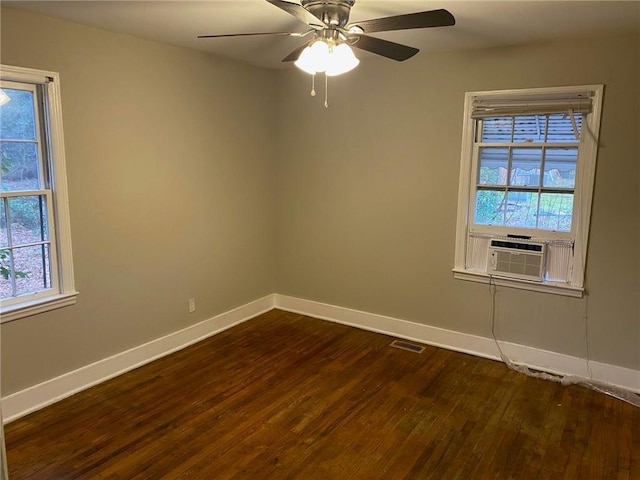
<point x="497" y="129"/>
<point x="20" y="166"/>
<point x="489" y="207"/>
<point x="4" y="234"/>
<point x="521" y="209"/>
<point x="560" y="167"/>
<point x="33" y="269"/>
<point x="525" y="166"/>
<point x="17" y="116"/>
<point x="28" y="219"/>
<point x="493" y="166"/>
<point x="529" y="128"/>
<point x="560" y="128"/>
<point x="6" y="286"/>
<point x="556" y="211"/>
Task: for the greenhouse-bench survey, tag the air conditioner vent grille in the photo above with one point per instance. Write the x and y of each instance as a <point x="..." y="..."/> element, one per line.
<point x="524" y="260"/>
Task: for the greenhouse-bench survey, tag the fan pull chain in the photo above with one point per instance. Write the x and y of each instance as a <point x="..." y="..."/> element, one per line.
<point x="326" y="91"/>
<point x="313" y="85"/>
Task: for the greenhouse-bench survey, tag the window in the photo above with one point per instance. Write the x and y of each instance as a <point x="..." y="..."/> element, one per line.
<point x="36" y="273"/>
<point x="526" y="183"/>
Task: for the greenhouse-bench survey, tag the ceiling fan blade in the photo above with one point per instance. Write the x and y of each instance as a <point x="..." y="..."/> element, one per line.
<point x="388" y="49"/>
<point x="291" y="34"/>
<point x="293" y="56"/>
<point x="299" y="12"/>
<point x="432" y="18"/>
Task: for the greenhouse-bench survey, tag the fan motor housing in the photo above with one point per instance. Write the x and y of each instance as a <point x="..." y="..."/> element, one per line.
<point x="331" y="12"/>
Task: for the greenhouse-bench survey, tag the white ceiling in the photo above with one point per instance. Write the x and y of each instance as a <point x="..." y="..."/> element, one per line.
<point x="479" y="24"/>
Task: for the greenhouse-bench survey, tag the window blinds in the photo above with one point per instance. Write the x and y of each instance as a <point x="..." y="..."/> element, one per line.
<point x="531" y="104"/>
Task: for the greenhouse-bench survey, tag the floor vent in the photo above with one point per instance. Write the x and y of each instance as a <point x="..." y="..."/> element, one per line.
<point x="412" y="347"/>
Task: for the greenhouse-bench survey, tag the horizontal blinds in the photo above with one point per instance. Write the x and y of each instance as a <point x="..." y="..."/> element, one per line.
<point x="532" y="104"/>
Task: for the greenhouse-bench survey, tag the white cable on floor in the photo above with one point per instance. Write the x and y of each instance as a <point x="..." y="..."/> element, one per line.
<point x="611" y="390"/>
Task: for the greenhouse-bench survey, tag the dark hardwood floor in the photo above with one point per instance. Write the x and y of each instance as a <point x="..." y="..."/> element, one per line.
<point x="289" y="397"/>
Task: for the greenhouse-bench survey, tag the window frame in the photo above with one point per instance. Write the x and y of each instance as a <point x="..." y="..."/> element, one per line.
<point x="53" y="151"/>
<point x="583" y="195"/>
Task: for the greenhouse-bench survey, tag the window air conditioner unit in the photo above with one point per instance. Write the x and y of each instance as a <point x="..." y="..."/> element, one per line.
<point x="516" y="258"/>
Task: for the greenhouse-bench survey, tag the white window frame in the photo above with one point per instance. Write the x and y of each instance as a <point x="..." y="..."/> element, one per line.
<point x="583" y="195"/>
<point x="63" y="292"/>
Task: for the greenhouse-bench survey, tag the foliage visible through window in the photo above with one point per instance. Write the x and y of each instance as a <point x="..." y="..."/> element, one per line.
<point x="25" y="233"/>
<point x="526" y="171"/>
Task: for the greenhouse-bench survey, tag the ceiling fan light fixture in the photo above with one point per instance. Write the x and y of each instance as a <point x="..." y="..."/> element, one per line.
<point x="342" y="60"/>
<point x="333" y="60"/>
<point x="315" y="58"/>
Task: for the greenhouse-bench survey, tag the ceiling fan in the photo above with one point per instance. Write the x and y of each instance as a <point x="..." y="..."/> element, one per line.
<point x="328" y="50"/>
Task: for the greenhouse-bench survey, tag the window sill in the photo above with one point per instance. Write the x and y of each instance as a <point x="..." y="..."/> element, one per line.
<point x="542" y="287"/>
<point x="34" y="307"/>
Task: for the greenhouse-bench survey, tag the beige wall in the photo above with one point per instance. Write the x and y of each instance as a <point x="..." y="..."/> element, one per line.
<point x="170" y="169"/>
<point x="367" y="195"/>
<point x="198" y="177"/>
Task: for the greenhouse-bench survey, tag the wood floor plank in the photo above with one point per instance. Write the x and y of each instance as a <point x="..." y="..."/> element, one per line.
<point x="285" y="396"/>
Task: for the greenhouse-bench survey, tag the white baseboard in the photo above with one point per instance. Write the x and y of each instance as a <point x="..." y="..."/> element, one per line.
<point x="39" y="396"/>
<point x="34" y="398"/>
<point x="538" y="359"/>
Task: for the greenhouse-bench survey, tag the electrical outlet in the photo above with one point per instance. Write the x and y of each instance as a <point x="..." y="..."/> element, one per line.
<point x="192" y="305"/>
